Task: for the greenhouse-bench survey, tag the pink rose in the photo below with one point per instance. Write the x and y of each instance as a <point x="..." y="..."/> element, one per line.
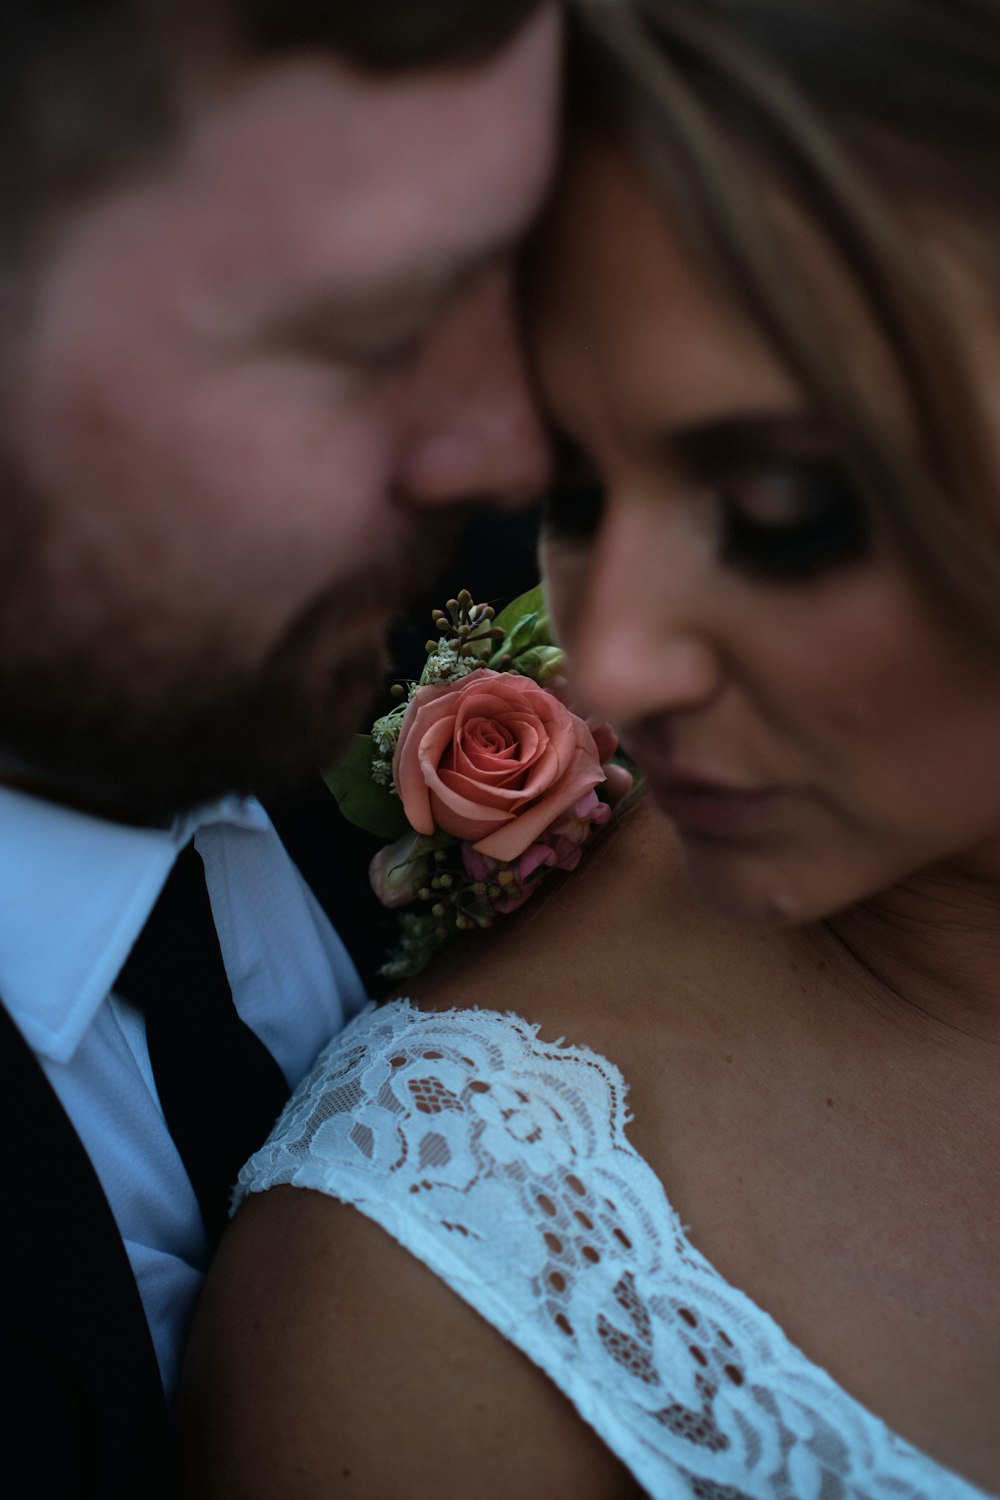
<point x="494" y="759"/>
<point x="617" y="780"/>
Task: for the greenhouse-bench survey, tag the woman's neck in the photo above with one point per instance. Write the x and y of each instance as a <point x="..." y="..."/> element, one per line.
<point x="925" y="952"/>
<point x="930" y="947"/>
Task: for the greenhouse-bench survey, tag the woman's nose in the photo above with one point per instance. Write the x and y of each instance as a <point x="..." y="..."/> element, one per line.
<point x="640" y="637"/>
<point x="473" y="428"/>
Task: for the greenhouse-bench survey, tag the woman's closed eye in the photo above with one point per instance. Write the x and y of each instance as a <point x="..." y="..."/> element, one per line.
<point x="780" y="518"/>
<point x="792" y="520"/>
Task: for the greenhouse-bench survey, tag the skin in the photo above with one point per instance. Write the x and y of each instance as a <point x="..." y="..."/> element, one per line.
<point x="811" y="1129"/>
<point x="256" y="384"/>
<point x="848" y="693"/>
<point x="434" y="1403"/>
<point x="816" y="1095"/>
<point x="818" y="689"/>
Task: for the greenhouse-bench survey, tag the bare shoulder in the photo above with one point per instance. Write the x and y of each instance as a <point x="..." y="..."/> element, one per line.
<point x="624" y="931"/>
<point x="564" y="925"/>
<point x="326" y="1360"/>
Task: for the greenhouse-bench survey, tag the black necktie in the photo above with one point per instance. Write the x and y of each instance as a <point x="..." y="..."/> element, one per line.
<point x="219" y="1086"/>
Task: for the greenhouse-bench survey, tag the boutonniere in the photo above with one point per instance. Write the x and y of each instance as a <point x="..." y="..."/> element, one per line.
<point x="483" y="780"/>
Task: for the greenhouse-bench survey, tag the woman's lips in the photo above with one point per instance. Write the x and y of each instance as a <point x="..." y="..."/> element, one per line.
<point x="711" y="809"/>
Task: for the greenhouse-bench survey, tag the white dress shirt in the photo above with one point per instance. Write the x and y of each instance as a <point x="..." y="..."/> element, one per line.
<point x="75" y="892"/>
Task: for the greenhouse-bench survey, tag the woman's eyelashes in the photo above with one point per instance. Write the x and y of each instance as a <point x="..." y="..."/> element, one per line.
<point x="778" y="518"/>
<point x="790" y="521"/>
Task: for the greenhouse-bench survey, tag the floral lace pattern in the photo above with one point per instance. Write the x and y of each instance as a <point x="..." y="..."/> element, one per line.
<point x="501" y="1162"/>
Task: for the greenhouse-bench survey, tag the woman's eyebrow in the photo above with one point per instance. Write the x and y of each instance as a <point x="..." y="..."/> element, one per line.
<point x="729" y="440"/>
<point x="707" y="446"/>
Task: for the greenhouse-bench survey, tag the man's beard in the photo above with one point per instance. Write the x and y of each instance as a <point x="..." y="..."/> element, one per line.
<point x="76" y="730"/>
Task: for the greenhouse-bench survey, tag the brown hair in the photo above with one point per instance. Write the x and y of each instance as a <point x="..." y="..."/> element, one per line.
<point x="384" y="35"/>
<point x="90" y="93"/>
<point x="88" y="88"/>
<point x="856" y="110"/>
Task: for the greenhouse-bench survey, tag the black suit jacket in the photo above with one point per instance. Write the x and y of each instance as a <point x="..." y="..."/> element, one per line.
<point x="82" y="1412"/>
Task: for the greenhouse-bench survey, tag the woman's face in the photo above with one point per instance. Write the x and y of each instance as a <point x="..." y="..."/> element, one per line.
<point x="727" y="597"/>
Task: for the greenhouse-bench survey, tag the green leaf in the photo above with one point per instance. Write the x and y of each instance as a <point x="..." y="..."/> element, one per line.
<point x="527" y="629"/>
<point x="361" y="800"/>
<point x="531" y="603"/>
<point x="522" y="637"/>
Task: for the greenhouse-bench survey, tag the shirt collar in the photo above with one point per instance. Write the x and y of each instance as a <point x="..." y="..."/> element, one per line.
<point x="75" y="892"/>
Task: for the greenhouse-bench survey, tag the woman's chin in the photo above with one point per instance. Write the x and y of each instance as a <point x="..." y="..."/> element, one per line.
<point x="755" y="889"/>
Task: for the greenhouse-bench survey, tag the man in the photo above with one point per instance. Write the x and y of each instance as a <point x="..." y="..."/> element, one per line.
<point x="259" y="341"/>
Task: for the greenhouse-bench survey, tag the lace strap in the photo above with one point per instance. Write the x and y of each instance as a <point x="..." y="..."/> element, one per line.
<point x="501" y="1162"/>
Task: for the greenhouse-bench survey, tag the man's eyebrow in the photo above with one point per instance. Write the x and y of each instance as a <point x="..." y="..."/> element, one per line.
<point x="353" y="320"/>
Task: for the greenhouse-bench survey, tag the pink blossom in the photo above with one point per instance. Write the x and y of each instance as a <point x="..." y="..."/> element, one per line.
<point x="560" y="848"/>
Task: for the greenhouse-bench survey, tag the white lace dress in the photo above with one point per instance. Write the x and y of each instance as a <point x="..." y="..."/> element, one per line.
<point x="501" y="1162"/>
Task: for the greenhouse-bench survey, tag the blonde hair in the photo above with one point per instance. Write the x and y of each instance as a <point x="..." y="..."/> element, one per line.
<point x="852" y="109"/>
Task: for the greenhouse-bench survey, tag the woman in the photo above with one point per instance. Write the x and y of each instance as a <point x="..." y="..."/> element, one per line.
<point x="767" y="322"/>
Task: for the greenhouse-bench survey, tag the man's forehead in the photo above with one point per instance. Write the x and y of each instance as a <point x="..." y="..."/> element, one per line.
<point x="305" y="180"/>
<point x="401" y="184"/>
<point x="494" y="120"/>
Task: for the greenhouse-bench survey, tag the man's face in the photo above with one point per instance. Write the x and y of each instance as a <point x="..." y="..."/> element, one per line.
<point x="252" y="384"/>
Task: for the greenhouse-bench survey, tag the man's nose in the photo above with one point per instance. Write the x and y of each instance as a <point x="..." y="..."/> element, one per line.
<point x="473" y="429"/>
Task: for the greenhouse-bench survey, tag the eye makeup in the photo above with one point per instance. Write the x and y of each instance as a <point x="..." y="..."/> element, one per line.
<point x="787" y="509"/>
<point x="792" y="521"/>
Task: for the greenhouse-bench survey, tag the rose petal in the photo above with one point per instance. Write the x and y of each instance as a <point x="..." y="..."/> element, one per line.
<point x="450" y="786"/>
<point x="466" y="819"/>
<point x="514" y="837"/>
